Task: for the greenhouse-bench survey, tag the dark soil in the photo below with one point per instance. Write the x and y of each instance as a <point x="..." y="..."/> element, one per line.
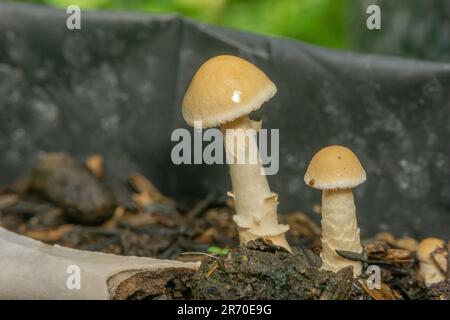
<point x="438" y="291"/>
<point x="80" y="206"/>
<point x="260" y="270"/>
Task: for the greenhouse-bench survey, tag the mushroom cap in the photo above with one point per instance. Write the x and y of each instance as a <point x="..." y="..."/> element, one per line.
<point x="225" y="88"/>
<point x="334" y="167"/>
<point x="426" y="247"/>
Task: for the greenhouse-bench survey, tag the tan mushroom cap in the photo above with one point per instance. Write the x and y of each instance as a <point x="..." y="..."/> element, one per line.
<point x="335" y="167"/>
<point x="426" y="247"/>
<point x="225" y="88"/>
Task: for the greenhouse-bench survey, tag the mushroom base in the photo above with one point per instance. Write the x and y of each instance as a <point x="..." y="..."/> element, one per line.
<point x="246" y="235"/>
<point x="255" y="204"/>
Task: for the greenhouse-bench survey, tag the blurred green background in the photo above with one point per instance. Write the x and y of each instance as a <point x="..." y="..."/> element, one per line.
<point x="317" y="21"/>
<point x="410" y="28"/>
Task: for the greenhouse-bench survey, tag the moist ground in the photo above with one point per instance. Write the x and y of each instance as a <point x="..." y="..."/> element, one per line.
<point x="79" y="206"/>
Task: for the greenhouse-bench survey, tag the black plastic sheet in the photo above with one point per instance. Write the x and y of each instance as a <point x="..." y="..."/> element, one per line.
<point x="115" y="88"/>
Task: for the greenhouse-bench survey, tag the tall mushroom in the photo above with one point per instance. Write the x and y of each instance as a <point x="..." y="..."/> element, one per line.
<point x="336" y="170"/>
<point x="431" y="253"/>
<point x="223" y="92"/>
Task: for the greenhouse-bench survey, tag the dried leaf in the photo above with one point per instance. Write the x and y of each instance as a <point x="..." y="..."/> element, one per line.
<point x="398" y="255"/>
<point x="142" y="185"/>
<point x="384" y="293"/>
<point x="407" y="243"/>
<point x="142" y="200"/>
<point x="375" y="249"/>
<point x="140" y="219"/>
<point x="380" y="251"/>
<point x="207" y="236"/>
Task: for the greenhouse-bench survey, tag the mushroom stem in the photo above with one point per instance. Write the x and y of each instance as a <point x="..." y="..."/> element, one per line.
<point x="255" y="204"/>
<point x="339" y="230"/>
<point x="430" y="273"/>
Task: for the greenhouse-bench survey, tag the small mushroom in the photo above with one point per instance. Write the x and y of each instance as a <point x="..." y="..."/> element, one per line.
<point x="223" y="92"/>
<point x="336" y="170"/>
<point x="432" y="254"/>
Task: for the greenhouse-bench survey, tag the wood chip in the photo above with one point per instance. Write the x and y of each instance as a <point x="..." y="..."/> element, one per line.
<point x="398" y="256"/>
<point x="95" y="165"/>
<point x="142" y="200"/>
<point x="7" y="200"/>
<point x="49" y="234"/>
<point x="213" y="268"/>
<point x="119" y="212"/>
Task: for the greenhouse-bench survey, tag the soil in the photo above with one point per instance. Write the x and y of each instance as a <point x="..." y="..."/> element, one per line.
<point x="439" y="291"/>
<point x="80" y="206"/>
<point x="260" y="270"/>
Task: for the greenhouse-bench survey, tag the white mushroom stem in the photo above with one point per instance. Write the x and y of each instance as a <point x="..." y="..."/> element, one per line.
<point x="255" y="204"/>
<point x="339" y="230"/>
<point x="430" y="273"/>
<point x="33" y="270"/>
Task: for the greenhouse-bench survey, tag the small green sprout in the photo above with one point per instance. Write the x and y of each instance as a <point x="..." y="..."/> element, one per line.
<point x="218" y="251"/>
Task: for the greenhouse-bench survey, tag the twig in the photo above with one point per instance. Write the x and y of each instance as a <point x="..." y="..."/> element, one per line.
<point x="396" y="284"/>
<point x="200" y="253"/>
<point x="202" y="205"/>
<point x="433" y="255"/>
<point x="352" y="255"/>
<point x="363" y="258"/>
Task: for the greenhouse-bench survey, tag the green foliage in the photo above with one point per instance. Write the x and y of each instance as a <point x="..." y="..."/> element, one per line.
<point x="218" y="251"/>
<point x="321" y="22"/>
